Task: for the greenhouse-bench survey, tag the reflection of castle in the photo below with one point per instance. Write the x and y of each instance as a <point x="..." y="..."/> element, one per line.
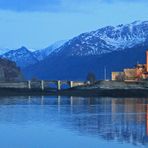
<point x="137" y="73"/>
<point x="147" y="119"/>
<point x="124" y="120"/>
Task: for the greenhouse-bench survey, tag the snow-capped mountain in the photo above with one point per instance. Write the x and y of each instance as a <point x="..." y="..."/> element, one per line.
<point x="81" y="54"/>
<point x="43" y="53"/>
<point x="105" y="40"/>
<point x="25" y="57"/>
<point x="120" y="47"/>
<point x="22" y="56"/>
<point x="3" y="51"/>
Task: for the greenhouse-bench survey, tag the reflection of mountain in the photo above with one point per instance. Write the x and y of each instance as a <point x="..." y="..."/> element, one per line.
<point x="122" y="120"/>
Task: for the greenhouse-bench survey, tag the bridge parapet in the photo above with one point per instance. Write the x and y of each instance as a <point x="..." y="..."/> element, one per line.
<point x="78" y="84"/>
<point x="43" y="84"/>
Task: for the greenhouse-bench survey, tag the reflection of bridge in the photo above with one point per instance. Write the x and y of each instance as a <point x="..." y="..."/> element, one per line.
<point x="47" y="84"/>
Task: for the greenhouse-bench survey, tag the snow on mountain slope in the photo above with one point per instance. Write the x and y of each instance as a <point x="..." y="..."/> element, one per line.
<point x="3" y="51"/>
<point x="43" y="53"/>
<point x="25" y="57"/>
<point x="105" y="40"/>
<point x="22" y="56"/>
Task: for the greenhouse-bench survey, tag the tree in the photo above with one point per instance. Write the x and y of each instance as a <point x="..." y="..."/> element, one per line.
<point x="91" y="78"/>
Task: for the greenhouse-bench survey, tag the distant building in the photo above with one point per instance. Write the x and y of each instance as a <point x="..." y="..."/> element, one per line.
<point x="140" y="72"/>
<point x="130" y="74"/>
<point x="118" y="76"/>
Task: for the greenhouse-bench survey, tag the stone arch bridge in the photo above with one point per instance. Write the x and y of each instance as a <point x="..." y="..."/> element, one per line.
<point x="43" y="84"/>
<point x="46" y="84"/>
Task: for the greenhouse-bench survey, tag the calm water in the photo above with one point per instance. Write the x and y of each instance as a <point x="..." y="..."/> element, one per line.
<point x="73" y="122"/>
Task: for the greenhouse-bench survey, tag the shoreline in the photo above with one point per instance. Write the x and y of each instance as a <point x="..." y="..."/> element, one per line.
<point x="100" y="88"/>
<point x="76" y="92"/>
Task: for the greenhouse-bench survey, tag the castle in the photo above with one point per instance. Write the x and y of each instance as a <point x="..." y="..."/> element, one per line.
<point x="140" y="72"/>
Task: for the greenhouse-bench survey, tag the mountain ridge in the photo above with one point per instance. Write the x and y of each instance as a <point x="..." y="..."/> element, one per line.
<point x="105" y="40"/>
<point x="43" y="53"/>
<point x="22" y="56"/>
<point x="91" y="51"/>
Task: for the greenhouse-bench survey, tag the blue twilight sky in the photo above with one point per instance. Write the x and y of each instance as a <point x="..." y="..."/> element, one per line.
<point x="38" y="23"/>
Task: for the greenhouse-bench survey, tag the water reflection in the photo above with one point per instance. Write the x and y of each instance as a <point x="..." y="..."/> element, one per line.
<point x="124" y="120"/>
